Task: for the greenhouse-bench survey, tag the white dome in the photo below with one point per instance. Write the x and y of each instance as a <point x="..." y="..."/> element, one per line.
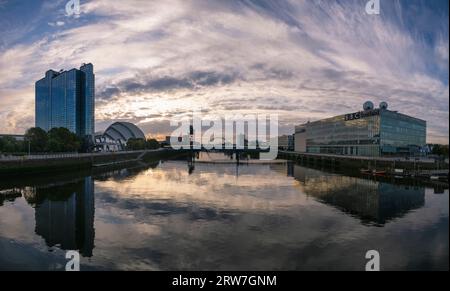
<point x="368" y="105"/>
<point x="123" y="131"/>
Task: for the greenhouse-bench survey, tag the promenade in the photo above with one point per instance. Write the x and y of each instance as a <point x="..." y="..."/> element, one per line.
<point x="52" y="162"/>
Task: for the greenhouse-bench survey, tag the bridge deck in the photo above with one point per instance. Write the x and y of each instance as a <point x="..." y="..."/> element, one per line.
<point x="242" y="162"/>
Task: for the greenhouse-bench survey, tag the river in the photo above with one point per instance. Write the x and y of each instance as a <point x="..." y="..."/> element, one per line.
<point x="174" y="216"/>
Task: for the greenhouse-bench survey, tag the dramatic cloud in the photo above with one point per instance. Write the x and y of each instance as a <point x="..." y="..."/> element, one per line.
<point x="145" y="83"/>
<point x="304" y="60"/>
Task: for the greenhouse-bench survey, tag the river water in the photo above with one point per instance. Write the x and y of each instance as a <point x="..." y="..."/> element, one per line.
<point x="175" y="216"/>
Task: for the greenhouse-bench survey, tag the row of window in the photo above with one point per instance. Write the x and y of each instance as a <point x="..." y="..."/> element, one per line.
<point x="62" y="101"/>
<point x="365" y="136"/>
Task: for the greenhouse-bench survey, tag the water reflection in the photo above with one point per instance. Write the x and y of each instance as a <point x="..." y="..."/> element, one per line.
<point x="264" y="217"/>
<point x="9" y="195"/>
<point x="64" y="213"/>
<point x="370" y="200"/>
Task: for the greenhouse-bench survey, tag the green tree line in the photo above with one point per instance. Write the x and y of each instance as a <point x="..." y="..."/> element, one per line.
<point x="37" y="140"/>
<point x="60" y="140"/>
<point x="440" y="150"/>
<point x="137" y="144"/>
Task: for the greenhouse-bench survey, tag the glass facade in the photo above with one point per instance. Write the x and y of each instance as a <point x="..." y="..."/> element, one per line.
<point x="66" y="99"/>
<point x="401" y="133"/>
<point x="377" y="132"/>
<point x="88" y="100"/>
<point x="42" y="104"/>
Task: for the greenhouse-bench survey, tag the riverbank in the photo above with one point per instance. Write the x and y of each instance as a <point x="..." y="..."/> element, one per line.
<point x="166" y="204"/>
<point x="383" y="165"/>
<point x="54" y="163"/>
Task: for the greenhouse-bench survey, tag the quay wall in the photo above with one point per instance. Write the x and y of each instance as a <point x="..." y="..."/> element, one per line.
<point x="58" y="162"/>
<point x="358" y="163"/>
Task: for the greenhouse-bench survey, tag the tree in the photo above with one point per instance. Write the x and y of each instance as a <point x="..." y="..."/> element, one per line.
<point x="10" y="145"/>
<point x="139" y="144"/>
<point x="152" y="144"/>
<point x="37" y="138"/>
<point x="62" y="140"/>
<point x="136" y="144"/>
<point x="440" y="150"/>
<point x="87" y="144"/>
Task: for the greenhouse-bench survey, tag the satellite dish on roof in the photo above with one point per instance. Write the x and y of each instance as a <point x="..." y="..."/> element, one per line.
<point x="383" y="105"/>
<point x="368" y="105"/>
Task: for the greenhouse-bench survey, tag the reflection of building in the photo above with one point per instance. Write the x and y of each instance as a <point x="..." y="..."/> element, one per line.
<point x="369" y="200"/>
<point x="67" y="99"/>
<point x="65" y="216"/>
<point x="372" y="132"/>
<point x="284" y="169"/>
<point x="116" y="136"/>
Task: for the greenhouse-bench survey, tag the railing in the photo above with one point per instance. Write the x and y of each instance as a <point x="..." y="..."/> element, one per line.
<point x="4" y="157"/>
<point x="433" y="172"/>
<point x="387" y="159"/>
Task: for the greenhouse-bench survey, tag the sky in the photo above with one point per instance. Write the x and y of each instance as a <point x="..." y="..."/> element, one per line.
<point x="301" y="59"/>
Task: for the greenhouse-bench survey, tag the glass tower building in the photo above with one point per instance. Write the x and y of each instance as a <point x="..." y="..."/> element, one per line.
<point x="372" y="132"/>
<point x="66" y="99"/>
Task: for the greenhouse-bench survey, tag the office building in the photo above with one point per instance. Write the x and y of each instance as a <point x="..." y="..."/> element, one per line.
<point x="371" y="132"/>
<point x="286" y="142"/>
<point x="67" y="99"/>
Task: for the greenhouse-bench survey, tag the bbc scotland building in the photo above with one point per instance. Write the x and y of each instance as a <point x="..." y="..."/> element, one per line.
<point x="67" y="99"/>
<point x="372" y="132"/>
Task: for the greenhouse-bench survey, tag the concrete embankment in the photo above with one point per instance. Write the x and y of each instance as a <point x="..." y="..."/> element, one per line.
<point x="358" y="163"/>
<point x="51" y="163"/>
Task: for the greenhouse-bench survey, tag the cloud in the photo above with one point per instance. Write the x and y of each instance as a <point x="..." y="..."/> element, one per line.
<point x="57" y="23"/>
<point x="314" y="58"/>
<point x="147" y="83"/>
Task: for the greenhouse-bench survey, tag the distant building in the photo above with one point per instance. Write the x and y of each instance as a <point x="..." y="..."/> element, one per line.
<point x="116" y="136"/>
<point x="286" y="142"/>
<point x="181" y="140"/>
<point x="300" y="138"/>
<point x="67" y="99"/>
<point x="166" y="142"/>
<point x="241" y="141"/>
<point x="371" y="132"/>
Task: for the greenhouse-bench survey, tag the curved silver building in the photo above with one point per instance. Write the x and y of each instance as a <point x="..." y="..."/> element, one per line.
<point x="116" y="136"/>
<point x="123" y="131"/>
